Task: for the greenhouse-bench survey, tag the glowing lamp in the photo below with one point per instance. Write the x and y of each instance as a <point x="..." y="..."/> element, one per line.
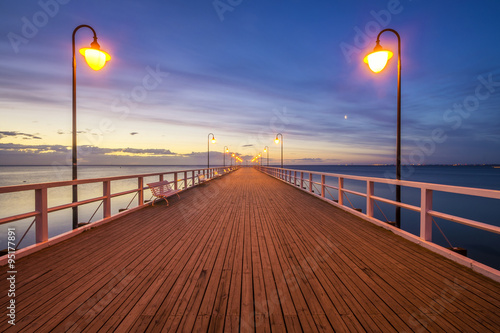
<point x="213" y="140"/>
<point x="378" y="58"/>
<point x="277" y="141"/>
<point x="94" y="56"/>
<point x="265" y="150"/>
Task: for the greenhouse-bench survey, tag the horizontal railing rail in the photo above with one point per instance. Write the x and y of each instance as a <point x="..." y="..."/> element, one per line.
<point x="182" y="179"/>
<point x="301" y="177"/>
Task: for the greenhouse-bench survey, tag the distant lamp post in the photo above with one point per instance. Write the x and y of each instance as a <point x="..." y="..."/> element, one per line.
<point x="208" y="150"/>
<point x="226" y="150"/>
<point x="377" y="60"/>
<point x="233" y="156"/>
<point x="277" y="140"/>
<point x="266" y="150"/>
<point x="96" y="59"/>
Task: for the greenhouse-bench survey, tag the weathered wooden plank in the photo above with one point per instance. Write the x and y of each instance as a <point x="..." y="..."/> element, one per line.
<point x="242" y="253"/>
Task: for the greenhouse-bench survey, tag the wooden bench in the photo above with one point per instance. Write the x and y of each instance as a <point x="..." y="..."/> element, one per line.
<point x="163" y="190"/>
<point x="201" y="179"/>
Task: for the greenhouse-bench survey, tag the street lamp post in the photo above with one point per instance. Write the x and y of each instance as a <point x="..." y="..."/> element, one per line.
<point x="226" y="150"/>
<point x="96" y="59"/>
<point x="377" y="61"/>
<point x="233" y="156"/>
<point x="278" y="141"/>
<point x="266" y="150"/>
<point x="208" y="150"/>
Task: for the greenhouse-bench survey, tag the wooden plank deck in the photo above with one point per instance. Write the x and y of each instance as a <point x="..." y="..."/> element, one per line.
<point x="244" y="253"/>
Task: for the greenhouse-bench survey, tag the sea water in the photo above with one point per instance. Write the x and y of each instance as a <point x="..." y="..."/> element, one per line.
<point x="481" y="245"/>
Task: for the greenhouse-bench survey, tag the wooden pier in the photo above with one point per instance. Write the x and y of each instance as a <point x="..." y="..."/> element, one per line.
<point x="246" y="252"/>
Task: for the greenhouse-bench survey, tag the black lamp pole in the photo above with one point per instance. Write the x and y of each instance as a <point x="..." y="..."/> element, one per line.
<point x="225" y="150"/>
<point x="208" y="149"/>
<point x="266" y="149"/>
<point x="74" y="136"/>
<point x="398" y="131"/>
<point x="281" y="136"/>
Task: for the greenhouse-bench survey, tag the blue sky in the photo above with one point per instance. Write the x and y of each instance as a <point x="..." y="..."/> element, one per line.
<point x="246" y="70"/>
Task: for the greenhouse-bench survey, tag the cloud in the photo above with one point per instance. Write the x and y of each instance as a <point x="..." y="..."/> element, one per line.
<point x="134" y="133"/>
<point x="247" y="145"/>
<point x="24" y="136"/>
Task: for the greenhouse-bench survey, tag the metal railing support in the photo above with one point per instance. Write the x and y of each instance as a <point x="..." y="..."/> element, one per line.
<point x="323" y="186"/>
<point x="42" y="218"/>
<point x="370" y="188"/>
<point x="425" y="217"/>
<point x="106" y="193"/>
<point x="341" y="191"/>
<point x="140" y="197"/>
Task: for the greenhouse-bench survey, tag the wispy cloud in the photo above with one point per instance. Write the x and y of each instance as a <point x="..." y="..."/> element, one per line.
<point x="26" y="136"/>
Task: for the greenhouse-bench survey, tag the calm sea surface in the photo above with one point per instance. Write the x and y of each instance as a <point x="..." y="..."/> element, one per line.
<point x="481" y="245"/>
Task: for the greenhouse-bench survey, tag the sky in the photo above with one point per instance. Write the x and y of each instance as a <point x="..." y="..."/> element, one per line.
<point x="245" y="71"/>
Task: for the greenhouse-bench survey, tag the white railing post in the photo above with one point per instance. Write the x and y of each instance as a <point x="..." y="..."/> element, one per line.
<point x="106" y="204"/>
<point x="370" y="188"/>
<point x="323" y="186"/>
<point x="341" y="192"/>
<point x="185" y="179"/>
<point x="141" y="191"/>
<point x="42" y="218"/>
<point x="301" y="180"/>
<point x="425" y="218"/>
<point x="310" y="182"/>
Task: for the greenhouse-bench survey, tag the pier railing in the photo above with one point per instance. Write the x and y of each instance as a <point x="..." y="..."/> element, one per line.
<point x="304" y="180"/>
<point x="182" y="180"/>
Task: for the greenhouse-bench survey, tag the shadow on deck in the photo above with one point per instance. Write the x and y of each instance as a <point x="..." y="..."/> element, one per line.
<point x="246" y="252"/>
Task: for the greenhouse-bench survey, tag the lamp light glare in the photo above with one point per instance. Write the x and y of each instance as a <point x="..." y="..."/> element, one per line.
<point x="95" y="58"/>
<point x="378" y="59"/>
